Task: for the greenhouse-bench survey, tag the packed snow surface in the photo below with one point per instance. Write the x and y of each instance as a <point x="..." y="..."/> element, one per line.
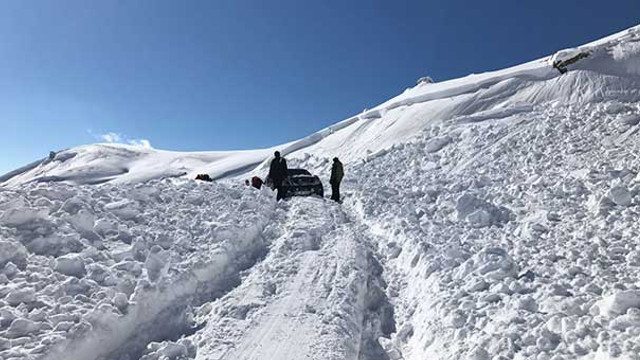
<point x="490" y="217"/>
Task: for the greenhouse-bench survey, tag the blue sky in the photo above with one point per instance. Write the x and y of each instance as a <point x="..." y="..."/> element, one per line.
<point x="241" y="74"/>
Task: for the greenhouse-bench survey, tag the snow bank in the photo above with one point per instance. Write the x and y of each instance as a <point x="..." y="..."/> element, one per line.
<point x="518" y="242"/>
<point x="100" y="272"/>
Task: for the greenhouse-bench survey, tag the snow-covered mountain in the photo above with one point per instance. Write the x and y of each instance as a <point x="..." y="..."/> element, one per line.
<point x="610" y="72"/>
<point x="489" y="217"/>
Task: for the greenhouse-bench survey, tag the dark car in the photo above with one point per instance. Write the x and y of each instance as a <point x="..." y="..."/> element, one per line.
<point x="300" y="182"/>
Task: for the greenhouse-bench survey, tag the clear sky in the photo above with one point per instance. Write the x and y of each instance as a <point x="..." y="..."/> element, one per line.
<point x="241" y="74"/>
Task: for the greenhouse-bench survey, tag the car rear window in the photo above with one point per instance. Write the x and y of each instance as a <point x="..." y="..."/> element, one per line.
<point x="293" y="172"/>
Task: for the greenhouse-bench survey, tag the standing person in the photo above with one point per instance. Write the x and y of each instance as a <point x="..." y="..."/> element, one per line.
<point x="337" y="173"/>
<point x="277" y="173"/>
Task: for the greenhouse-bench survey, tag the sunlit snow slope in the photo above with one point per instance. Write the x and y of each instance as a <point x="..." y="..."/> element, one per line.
<point x="491" y="217"/>
<point x="610" y="72"/>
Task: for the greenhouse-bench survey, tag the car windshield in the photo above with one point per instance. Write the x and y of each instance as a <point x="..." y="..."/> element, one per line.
<point x="294" y="172"/>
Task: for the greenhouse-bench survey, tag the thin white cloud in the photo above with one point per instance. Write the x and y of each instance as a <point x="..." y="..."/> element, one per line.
<point x="141" y="142"/>
<point x="111" y="137"/>
<point x="117" y="138"/>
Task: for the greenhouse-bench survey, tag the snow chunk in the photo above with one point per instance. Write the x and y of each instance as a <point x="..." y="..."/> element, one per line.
<point x="495" y="263"/>
<point x="620" y="195"/>
<point x="479" y="218"/>
<point x="478" y="353"/>
<point x="21" y="327"/>
<point x="56" y="244"/>
<point x="437" y="143"/>
<point x="12" y="251"/>
<point x="72" y="265"/>
<point x="476" y="285"/>
<point x="19" y="217"/>
<point x="619" y="303"/>
<point x="124" y="209"/>
<point x="615" y="108"/>
<point x="492" y="264"/>
<point x="183" y="349"/>
<point x="121" y="301"/>
<point x="626" y="321"/>
<point x="527" y="303"/>
<point x="629" y="119"/>
<point x="82" y="221"/>
<point x="157" y="263"/>
<point x="479" y="213"/>
<point x="21" y="295"/>
<point x="103" y="226"/>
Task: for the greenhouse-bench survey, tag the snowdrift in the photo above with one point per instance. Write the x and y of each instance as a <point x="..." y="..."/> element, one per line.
<point x="119" y="163"/>
<point x="94" y="274"/>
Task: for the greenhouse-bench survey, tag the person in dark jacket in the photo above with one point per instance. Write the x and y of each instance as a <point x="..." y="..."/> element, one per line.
<point x="277" y="173"/>
<point x="337" y="173"/>
<point x="256" y="182"/>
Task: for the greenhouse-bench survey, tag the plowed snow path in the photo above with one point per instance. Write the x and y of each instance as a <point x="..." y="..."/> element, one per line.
<point x="316" y="295"/>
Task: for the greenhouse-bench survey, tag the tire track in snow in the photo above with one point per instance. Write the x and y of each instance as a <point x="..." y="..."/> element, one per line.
<point x="317" y="295"/>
